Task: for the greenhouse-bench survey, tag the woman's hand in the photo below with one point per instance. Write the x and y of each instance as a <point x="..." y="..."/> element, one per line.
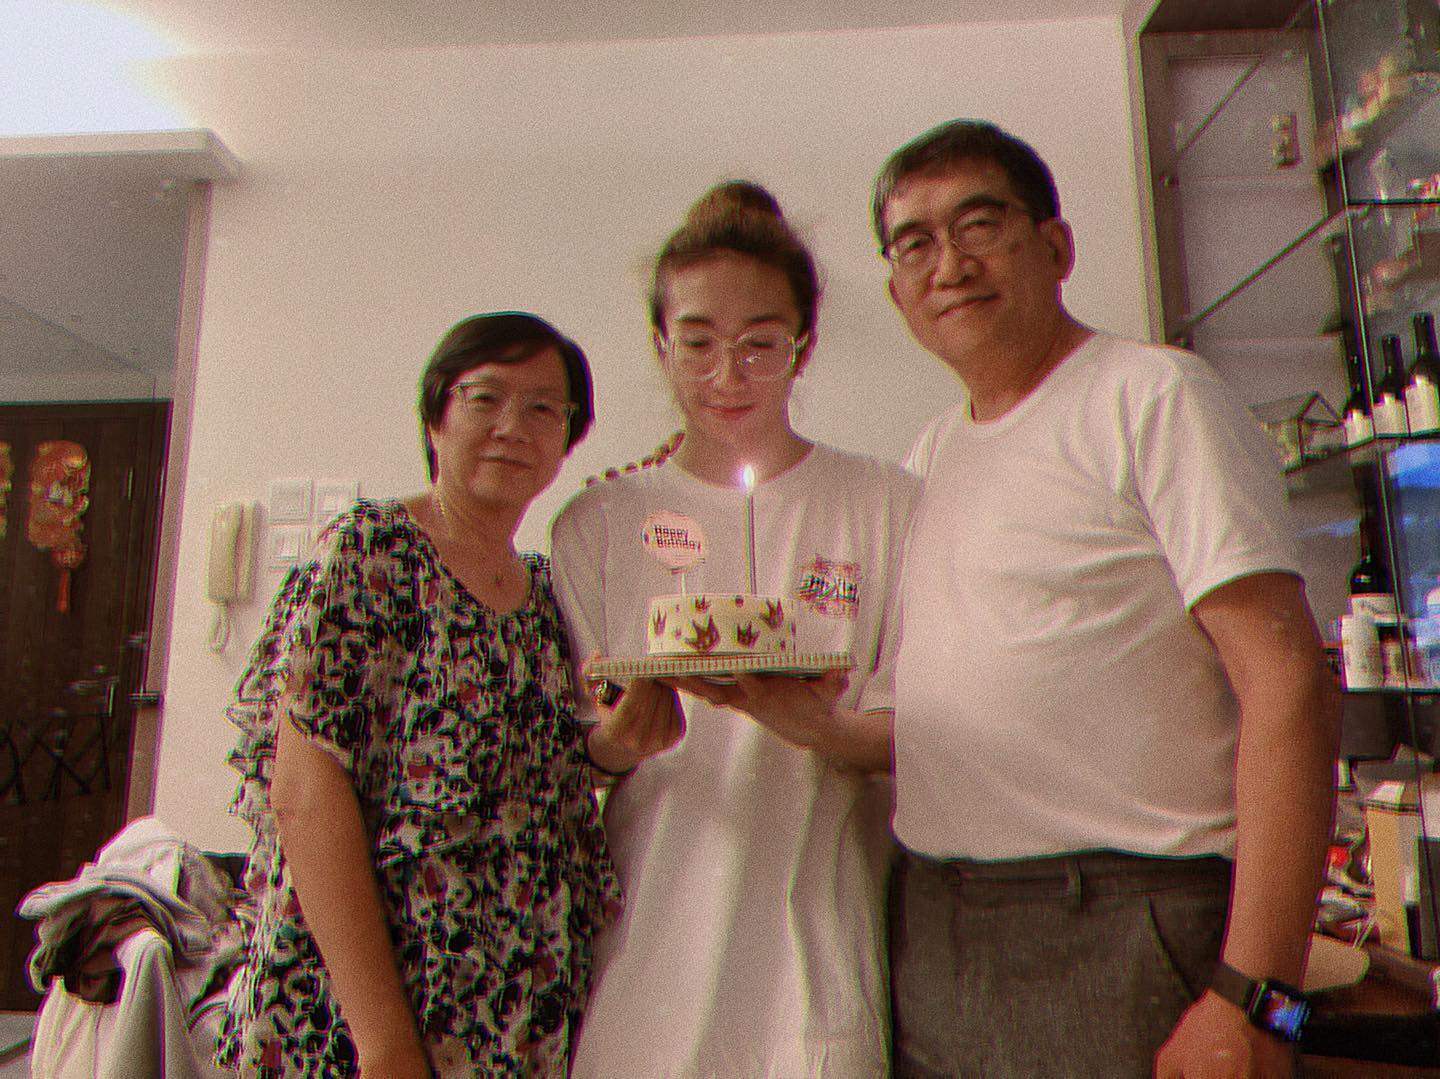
<point x="647" y="719"/>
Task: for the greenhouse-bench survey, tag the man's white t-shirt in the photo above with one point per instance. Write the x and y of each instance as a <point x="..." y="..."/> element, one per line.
<point x="1054" y="693"/>
<point x="752" y="941"/>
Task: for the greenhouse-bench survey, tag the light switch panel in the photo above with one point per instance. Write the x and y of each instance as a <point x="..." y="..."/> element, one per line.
<point x="289" y="501"/>
<point x="287" y="544"/>
<point x="333" y="497"/>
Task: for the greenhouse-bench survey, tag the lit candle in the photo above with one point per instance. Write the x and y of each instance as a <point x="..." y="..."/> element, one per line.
<point x="747" y="477"/>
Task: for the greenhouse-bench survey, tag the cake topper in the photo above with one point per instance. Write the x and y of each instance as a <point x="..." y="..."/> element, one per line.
<point x="675" y="541"/>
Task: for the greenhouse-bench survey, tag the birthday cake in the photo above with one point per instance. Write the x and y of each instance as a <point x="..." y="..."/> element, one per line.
<point x="719" y="624"/>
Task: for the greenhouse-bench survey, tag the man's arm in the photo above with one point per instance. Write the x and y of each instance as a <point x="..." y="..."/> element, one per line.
<point x="1263" y="631"/>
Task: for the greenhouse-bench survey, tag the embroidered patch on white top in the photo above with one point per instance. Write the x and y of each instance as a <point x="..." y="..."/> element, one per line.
<point x="830" y="588"/>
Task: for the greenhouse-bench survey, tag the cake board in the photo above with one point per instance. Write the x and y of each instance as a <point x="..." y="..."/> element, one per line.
<point x="717" y="667"/>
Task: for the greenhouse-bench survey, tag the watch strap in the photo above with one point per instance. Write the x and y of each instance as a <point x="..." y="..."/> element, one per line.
<point x="1229" y="984"/>
<point x="1270" y="1005"/>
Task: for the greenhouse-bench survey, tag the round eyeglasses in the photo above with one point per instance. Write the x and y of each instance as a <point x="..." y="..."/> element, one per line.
<point x="972" y="230"/>
<point x="764" y="355"/>
<point x="489" y="401"/>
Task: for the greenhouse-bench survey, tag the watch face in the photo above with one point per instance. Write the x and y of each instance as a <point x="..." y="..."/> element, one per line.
<point x="1281" y="1014"/>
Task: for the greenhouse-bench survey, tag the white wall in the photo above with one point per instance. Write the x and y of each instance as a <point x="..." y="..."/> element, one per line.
<point x="385" y="195"/>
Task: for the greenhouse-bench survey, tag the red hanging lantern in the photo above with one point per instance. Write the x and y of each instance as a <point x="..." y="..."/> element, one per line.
<point x="59" y="497"/>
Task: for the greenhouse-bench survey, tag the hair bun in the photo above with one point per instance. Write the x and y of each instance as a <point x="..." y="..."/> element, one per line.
<point x="740" y="217"/>
<point x="733" y="197"/>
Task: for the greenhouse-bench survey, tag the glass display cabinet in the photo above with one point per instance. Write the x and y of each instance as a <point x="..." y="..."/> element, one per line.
<point x="1295" y="169"/>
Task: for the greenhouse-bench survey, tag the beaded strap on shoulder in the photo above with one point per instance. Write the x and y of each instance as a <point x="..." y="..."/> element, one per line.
<point x="662" y="453"/>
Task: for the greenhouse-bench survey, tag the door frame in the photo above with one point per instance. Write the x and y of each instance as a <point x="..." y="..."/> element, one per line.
<point x="196" y="159"/>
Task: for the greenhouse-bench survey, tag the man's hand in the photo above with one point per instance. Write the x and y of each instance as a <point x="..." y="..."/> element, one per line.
<point x="1214" y="1040"/>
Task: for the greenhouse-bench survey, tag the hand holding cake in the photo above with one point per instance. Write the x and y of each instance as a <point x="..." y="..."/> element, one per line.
<point x="644" y="720"/>
<point x="805" y="712"/>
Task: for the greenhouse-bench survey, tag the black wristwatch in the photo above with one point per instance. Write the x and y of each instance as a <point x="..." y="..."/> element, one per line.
<point x="1272" y="1006"/>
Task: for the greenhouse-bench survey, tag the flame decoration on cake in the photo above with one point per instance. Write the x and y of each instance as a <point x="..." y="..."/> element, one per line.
<point x="719" y="624"/>
<point x="706" y="637"/>
<point x="774" y="615"/>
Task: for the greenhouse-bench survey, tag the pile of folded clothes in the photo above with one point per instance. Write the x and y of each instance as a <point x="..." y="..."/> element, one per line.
<point x="134" y="955"/>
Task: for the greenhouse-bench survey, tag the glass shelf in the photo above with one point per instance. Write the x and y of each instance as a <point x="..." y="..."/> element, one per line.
<point x="1397" y="255"/>
<point x="1335" y="471"/>
<point x="1398" y="120"/>
<point x="1383" y="62"/>
<point x="1297" y="199"/>
<point x="1328" y="474"/>
<point x="1424" y="694"/>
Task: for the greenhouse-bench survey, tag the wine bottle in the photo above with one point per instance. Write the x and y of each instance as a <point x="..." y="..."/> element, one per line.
<point x="1359" y="427"/>
<point x="1422" y="390"/>
<point x="1370" y="590"/>
<point x="1389" y="410"/>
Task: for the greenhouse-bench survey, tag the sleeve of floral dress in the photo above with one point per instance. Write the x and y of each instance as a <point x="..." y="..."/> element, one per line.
<point x="332" y="643"/>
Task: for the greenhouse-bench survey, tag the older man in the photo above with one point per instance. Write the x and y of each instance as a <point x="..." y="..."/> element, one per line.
<point x="1115" y="731"/>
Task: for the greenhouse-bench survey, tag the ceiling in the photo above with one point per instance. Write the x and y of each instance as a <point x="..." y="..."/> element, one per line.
<point x="90" y="259"/>
<point x="224" y="25"/>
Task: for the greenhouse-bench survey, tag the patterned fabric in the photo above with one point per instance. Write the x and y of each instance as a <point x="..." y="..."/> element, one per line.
<point x="456" y="725"/>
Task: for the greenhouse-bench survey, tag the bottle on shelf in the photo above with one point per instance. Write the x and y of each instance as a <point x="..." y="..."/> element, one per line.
<point x="1359" y="427"/>
<point x="1389" y="411"/>
<point x="1360" y="652"/>
<point x="1371" y="593"/>
<point x="1422" y="390"/>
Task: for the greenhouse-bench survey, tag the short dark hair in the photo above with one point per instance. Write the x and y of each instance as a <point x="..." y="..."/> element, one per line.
<point x="949" y="144"/>
<point x="501" y="337"/>
<point x="741" y="217"/>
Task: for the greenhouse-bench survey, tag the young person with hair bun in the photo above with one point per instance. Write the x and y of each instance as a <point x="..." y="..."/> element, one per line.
<point x="748" y="822"/>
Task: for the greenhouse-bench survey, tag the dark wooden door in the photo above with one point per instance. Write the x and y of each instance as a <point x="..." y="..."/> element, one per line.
<point x="66" y="678"/>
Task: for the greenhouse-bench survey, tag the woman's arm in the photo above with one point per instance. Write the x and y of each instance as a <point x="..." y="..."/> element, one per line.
<point x="326" y="847"/>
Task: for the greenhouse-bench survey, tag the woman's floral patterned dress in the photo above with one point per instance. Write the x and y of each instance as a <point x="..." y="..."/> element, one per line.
<point x="456" y="726"/>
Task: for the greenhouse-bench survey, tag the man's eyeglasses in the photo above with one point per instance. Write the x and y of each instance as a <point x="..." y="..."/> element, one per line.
<point x="489" y="401"/>
<point x="974" y="230"/>
<point x="765" y="355"/>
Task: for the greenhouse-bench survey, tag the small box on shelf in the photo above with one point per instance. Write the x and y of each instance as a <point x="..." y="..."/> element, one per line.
<point x="1304" y="427"/>
<point x="1392" y="824"/>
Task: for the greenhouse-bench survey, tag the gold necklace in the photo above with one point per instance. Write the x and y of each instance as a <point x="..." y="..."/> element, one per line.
<point x="435" y="496"/>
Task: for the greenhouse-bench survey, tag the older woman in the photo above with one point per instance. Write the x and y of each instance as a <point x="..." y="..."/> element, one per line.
<point x="428" y="865"/>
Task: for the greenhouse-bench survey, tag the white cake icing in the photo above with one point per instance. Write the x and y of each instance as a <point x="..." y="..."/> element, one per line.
<point x="719" y="623"/>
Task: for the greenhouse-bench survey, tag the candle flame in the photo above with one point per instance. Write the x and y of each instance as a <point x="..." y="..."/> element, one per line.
<point x="747" y="477"/>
